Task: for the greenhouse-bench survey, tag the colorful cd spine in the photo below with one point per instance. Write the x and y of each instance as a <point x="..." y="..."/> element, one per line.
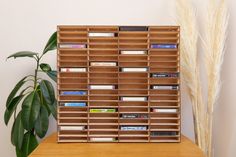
<point x="163" y="46"/>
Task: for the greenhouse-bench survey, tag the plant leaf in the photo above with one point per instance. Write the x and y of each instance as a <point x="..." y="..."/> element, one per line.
<point x="14" y="91"/>
<point x="47" y="91"/>
<point x="23" y="54"/>
<point x="53" y="108"/>
<point x="30" y="110"/>
<point x="19" y="153"/>
<point x="51" y="44"/>
<point x="41" y="124"/>
<point x="45" y="67"/>
<point x="29" y="143"/>
<point x="53" y="75"/>
<point x="11" y="108"/>
<point x="17" y="132"/>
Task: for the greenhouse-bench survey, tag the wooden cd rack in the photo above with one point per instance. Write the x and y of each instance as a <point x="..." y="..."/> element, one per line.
<point x="118" y="84"/>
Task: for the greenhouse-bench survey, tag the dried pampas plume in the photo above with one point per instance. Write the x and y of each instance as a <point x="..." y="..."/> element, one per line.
<point x="214" y="46"/>
<point x="186" y="18"/>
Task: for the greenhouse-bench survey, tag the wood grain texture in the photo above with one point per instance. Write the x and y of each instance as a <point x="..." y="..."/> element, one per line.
<point x="50" y="148"/>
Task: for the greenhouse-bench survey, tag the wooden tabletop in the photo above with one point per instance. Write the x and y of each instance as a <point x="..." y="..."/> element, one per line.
<point x="50" y="148"/>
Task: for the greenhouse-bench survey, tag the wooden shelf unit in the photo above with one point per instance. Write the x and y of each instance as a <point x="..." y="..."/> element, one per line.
<point x="127" y="84"/>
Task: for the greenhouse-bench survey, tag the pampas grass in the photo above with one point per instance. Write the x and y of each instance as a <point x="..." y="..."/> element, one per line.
<point x="214" y="46"/>
<point x="186" y="18"/>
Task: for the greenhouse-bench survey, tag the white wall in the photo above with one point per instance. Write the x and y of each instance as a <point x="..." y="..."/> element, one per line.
<point x="27" y="24"/>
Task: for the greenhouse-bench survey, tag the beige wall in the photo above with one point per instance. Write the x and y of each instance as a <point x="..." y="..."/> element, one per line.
<point x="26" y="25"/>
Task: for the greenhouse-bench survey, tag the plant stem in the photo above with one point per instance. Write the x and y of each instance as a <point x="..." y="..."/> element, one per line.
<point x="36" y="73"/>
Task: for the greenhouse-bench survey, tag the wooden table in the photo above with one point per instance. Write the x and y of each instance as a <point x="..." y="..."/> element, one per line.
<point x="50" y="148"/>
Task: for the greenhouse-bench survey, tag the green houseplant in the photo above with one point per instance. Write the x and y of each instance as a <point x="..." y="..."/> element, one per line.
<point x="31" y="102"/>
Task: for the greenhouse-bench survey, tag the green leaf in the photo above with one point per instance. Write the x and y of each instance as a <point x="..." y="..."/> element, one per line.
<point x="47" y="91"/>
<point x="14" y="91"/>
<point x="19" y="153"/>
<point x="45" y="67"/>
<point x="41" y="124"/>
<point x="30" y="110"/>
<point x="29" y="143"/>
<point x="53" y="108"/>
<point x="23" y="54"/>
<point x="53" y="75"/>
<point x="17" y="132"/>
<point x="11" y="108"/>
<point x="51" y="44"/>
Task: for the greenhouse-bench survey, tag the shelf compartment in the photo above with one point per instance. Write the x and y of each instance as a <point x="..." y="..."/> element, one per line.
<point x="164" y="63"/>
<point x="164" y="40"/>
<point x="103" y="69"/>
<point x="133" y="86"/>
<point x="72" y="121"/>
<point x="73" y="109"/>
<point x="73" y="135"/>
<point x="132" y="75"/>
<point x="71" y="115"/>
<point x="165" y="139"/>
<point x="133" y="64"/>
<point x="72" y="139"/>
<point x="163" y="52"/>
<point x="103" y="81"/>
<point x="72" y="52"/>
<point x="134" y="80"/>
<point x="161" y="58"/>
<point x="164" y="115"/>
<point x="164" y="80"/>
<point x="133" y="92"/>
<point x="163" y="69"/>
<point x="104" y="92"/>
<point x="133" y="34"/>
<point x="102" y="134"/>
<point x="133" y="139"/>
<point x="164" y="104"/>
<point x="138" y="104"/>
<point x="133" y="40"/>
<point x="71" y="32"/>
<point x="72" y="97"/>
<point x="134" y="121"/>
<point x="103" y="75"/>
<point x="72" y="40"/>
<point x="101" y="121"/>
<point x="133" y="46"/>
<point x="102" y="127"/>
<point x="73" y="132"/>
<point x="133" y="58"/>
<point x="72" y="75"/>
<point x="72" y="28"/>
<point x="72" y="64"/>
<point x="73" y="58"/>
<point x="93" y="40"/>
<point x="113" y="115"/>
<point x="103" y="46"/>
<point x="103" y="29"/>
<point x="103" y="58"/>
<point x="103" y="52"/>
<point x="103" y="98"/>
<point x="163" y="34"/>
<point x="163" y="98"/>
<point x="164" y="127"/>
<point x="165" y="121"/>
<point x="164" y="92"/>
<point x="94" y="103"/>
<point x="73" y="80"/>
<point x="133" y="110"/>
